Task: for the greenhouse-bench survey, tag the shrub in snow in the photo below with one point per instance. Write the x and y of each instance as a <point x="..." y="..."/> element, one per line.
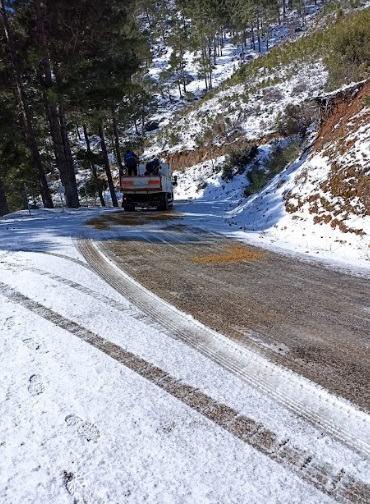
<point x="151" y="125"/>
<point x="258" y="179"/>
<point x="237" y="160"/>
<point x="280" y="157"/>
<point x="299" y="88"/>
<point x="190" y="96"/>
<point x="173" y="138"/>
<point x="202" y="185"/>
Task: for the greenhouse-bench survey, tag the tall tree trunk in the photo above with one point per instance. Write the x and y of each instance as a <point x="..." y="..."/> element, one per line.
<point x="4" y="209"/>
<point x="182" y="68"/>
<point x="136" y="126"/>
<point x="204" y="52"/>
<point x="64" y="131"/>
<point x="142" y="113"/>
<point x="107" y="167"/>
<point x="25" y="116"/>
<point x="67" y="175"/>
<point x="253" y="41"/>
<point x="184" y="25"/>
<point x="92" y="166"/>
<point x="78" y="133"/>
<point x="303" y="13"/>
<point x="259" y="35"/>
<point x="56" y="119"/>
<point x="116" y="143"/>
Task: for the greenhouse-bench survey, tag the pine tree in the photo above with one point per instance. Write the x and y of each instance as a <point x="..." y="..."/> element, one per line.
<point x="178" y="41"/>
<point x="16" y="166"/>
<point x="104" y="66"/>
<point x="12" y="74"/>
<point x="72" y="58"/>
<point x="91" y="159"/>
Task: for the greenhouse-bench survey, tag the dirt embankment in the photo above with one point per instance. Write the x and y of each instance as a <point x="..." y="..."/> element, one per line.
<point x="335" y="108"/>
<point x="344" y="132"/>
<point x="340" y="117"/>
<point x="185" y="159"/>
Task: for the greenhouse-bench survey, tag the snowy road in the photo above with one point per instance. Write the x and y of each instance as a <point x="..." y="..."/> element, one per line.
<point x="309" y="318"/>
<point x="101" y="404"/>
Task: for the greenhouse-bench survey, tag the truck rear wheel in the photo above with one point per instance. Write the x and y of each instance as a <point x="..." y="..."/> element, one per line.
<point x="164" y="205"/>
<point x="129" y="208"/>
<point x="170" y="204"/>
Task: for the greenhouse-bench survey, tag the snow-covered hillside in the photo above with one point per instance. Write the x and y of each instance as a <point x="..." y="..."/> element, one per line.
<point x="303" y="208"/>
<point x="317" y="206"/>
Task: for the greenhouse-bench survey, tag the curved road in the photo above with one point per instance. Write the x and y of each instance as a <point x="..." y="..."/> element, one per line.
<point x="307" y="317"/>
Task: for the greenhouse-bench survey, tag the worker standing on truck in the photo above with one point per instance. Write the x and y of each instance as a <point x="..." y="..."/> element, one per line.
<point x="153" y="167"/>
<point x="131" y="160"/>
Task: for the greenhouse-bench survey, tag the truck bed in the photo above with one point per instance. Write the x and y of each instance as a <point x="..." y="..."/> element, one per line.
<point x="142" y="183"/>
<point x="146" y="183"/>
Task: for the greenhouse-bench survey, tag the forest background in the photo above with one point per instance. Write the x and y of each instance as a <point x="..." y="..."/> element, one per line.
<point x="73" y="73"/>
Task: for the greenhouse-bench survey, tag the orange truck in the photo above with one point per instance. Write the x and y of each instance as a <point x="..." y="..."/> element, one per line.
<point x="148" y="190"/>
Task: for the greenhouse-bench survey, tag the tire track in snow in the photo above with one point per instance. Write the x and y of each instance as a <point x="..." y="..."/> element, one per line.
<point x="326" y="477"/>
<point x="332" y="414"/>
<point x="54" y="254"/>
<point x="91" y="293"/>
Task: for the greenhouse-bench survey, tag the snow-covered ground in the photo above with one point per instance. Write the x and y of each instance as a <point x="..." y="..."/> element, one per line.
<point x="78" y="426"/>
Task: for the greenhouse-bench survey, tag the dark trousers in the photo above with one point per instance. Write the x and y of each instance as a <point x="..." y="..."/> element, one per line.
<point x="132" y="170"/>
